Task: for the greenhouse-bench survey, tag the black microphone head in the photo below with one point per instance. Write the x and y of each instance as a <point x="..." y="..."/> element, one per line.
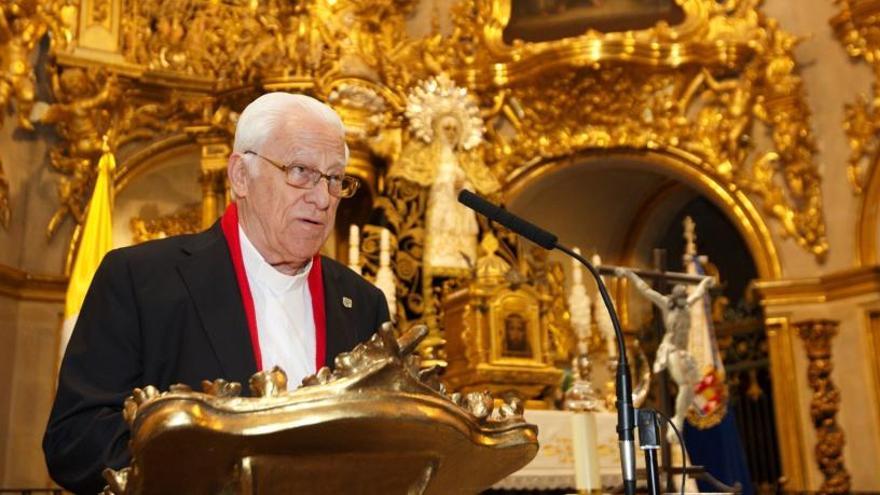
<point x="497" y="214"/>
<point x="474" y="201"/>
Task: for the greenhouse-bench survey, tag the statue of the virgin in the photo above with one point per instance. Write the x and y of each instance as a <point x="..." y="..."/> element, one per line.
<point x="444" y="156"/>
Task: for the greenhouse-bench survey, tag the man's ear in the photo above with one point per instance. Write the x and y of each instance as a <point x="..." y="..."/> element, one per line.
<point x="239" y="179"/>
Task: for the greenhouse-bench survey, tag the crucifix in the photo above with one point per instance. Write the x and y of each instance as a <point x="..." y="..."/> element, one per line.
<point x="672" y="322"/>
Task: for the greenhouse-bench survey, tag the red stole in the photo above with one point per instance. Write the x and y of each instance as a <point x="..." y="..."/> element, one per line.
<point x="229" y="224"/>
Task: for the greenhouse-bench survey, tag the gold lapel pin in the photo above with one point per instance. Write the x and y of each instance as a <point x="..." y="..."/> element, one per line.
<point x="346" y="302"/>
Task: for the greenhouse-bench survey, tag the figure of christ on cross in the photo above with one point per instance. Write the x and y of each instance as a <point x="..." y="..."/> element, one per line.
<point x="673" y="352"/>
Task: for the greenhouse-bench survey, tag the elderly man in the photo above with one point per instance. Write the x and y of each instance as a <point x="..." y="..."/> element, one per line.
<point x="247" y="294"/>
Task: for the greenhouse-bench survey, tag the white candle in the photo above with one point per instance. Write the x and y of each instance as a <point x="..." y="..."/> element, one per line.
<point x="604" y="319"/>
<point x="579" y="303"/>
<point x="586" y="454"/>
<point x="385" y="276"/>
<point x="385" y="248"/>
<point x="577" y="274"/>
<point x="354" y="248"/>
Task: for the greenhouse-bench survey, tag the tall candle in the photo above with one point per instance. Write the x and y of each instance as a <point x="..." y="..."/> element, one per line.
<point x="586" y="452"/>
<point x="354" y="248"/>
<point x="577" y="274"/>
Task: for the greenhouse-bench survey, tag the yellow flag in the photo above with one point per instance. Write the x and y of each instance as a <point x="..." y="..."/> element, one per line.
<point x="96" y="240"/>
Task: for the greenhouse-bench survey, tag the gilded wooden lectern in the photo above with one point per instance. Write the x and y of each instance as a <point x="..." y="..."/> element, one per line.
<point x="375" y="424"/>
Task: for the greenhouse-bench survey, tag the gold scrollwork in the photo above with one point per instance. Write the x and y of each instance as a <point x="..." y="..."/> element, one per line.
<point x="712" y="80"/>
<point x="185" y="220"/>
<point x="23" y="23"/>
<point x="82" y="117"/>
<point x="699" y="89"/>
<point x="403" y="207"/>
<point x="856" y="26"/>
<point x="817" y="335"/>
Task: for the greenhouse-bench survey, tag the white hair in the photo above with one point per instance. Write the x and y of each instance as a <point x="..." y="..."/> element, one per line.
<point x="273" y="111"/>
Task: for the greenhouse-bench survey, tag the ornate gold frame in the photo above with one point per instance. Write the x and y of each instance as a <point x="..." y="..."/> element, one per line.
<point x="501" y="307"/>
<point x="661" y="45"/>
<point x="736" y="204"/>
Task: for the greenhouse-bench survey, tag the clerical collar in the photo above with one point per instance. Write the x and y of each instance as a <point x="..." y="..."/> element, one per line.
<point x="261" y="272"/>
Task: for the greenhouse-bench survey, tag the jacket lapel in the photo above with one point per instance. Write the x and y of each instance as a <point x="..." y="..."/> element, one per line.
<point x="210" y="279"/>
<point x="340" y="320"/>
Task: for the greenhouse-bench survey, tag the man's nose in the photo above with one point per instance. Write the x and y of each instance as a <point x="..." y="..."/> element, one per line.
<point x="320" y="195"/>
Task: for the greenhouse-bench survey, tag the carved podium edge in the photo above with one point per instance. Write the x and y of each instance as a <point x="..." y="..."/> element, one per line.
<point x="375" y="424"/>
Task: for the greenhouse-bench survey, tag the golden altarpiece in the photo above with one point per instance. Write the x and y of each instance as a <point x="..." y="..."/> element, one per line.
<point x="710" y="96"/>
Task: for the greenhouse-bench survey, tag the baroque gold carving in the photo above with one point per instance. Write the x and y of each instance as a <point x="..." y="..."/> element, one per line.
<point x="403" y="206"/>
<point x="23" y="23"/>
<point x="856" y="26"/>
<point x="83" y="119"/>
<point x="687" y="111"/>
<point x="497" y="328"/>
<point x="701" y="88"/>
<point x="186" y="220"/>
<point x="376" y="397"/>
<point x="817" y="336"/>
<point x="208" y="46"/>
<point x="698" y="90"/>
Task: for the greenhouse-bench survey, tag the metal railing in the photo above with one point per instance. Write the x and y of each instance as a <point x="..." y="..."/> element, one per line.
<point x="743" y="345"/>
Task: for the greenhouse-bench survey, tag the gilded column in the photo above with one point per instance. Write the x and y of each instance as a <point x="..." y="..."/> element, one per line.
<point x="209" y="198"/>
<point x="781" y="342"/>
<point x="817" y="336"/>
<point x="214" y="156"/>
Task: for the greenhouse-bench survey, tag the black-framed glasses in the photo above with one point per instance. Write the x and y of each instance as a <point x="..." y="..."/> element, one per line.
<point x="338" y="185"/>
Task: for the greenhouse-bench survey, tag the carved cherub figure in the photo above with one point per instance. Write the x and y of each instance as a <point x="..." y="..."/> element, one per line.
<point x="20" y="28"/>
<point x="82" y="117"/>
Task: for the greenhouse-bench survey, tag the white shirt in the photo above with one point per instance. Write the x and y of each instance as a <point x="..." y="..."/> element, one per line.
<point x="285" y="321"/>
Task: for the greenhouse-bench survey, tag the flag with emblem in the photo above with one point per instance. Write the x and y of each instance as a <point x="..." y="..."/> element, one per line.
<point x="710" y="433"/>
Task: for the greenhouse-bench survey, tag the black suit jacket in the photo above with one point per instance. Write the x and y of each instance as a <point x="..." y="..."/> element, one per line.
<point x="161" y="313"/>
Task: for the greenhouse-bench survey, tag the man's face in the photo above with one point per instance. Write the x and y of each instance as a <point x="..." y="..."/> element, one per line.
<point x="515" y="330"/>
<point x="290" y="224"/>
<point x="679" y="292"/>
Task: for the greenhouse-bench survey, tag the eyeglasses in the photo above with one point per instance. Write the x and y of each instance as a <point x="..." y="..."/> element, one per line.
<point x="339" y="185"/>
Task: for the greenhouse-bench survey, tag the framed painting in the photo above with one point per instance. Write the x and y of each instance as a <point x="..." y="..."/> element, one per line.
<point x="550" y="20"/>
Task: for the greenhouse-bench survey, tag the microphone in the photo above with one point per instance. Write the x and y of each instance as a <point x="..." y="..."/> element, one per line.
<point x="498" y="214"/>
<point x="547" y="240"/>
